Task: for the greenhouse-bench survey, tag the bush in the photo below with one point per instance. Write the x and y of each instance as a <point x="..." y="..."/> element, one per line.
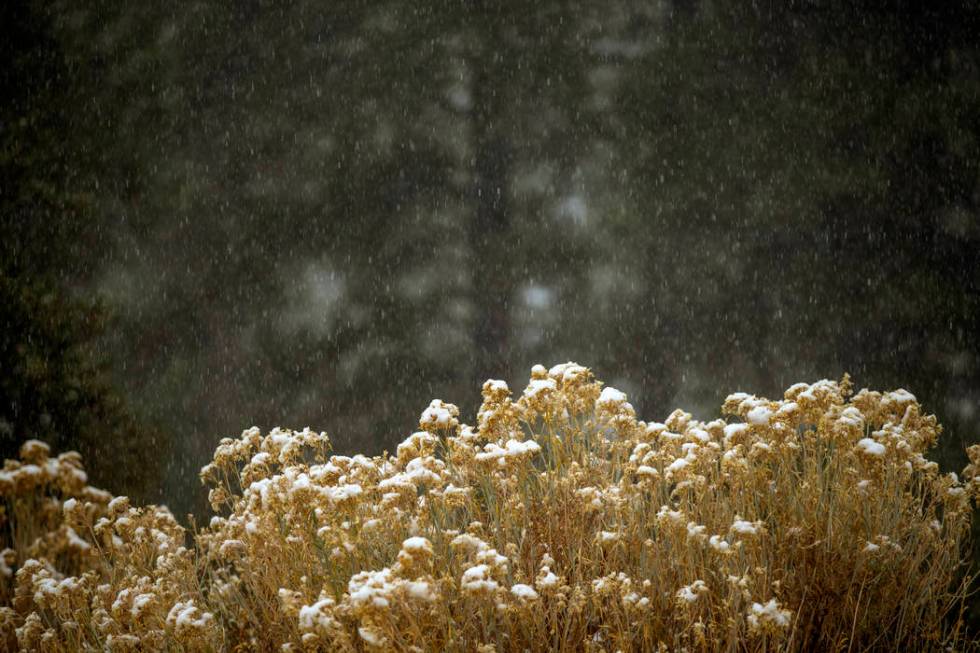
<point x="559" y="522"/>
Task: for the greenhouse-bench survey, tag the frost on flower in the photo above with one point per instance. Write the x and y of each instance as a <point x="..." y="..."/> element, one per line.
<point x="611" y="397"/>
<point x="421" y="590"/>
<point x="734" y="433"/>
<point x="187" y="620"/>
<point x="851" y="417"/>
<point x="539" y="386"/>
<point x="607" y="537"/>
<point x="371" y="636"/>
<point x="439" y="415"/>
<point x="696" y="531"/>
<point x="420" y="443"/>
<point x="768" y="617"/>
<point x="524" y="592"/>
<point x="645" y="471"/>
<point x="417" y="545"/>
<point x="512" y="451"/>
<point x="317" y="617"/>
<point x="477" y="580"/>
<point x="677" y="465"/>
<point x="415" y="551"/>
<point x="897" y="399"/>
<point x="546" y="579"/>
<point x="871" y="448"/>
<point x="468" y="542"/>
<point x="666" y="516"/>
<point x="371" y="588"/>
<point x="497" y="386"/>
<point x="691" y="593"/>
<point x="720" y="545"/>
<point x="743" y="527"/>
<point x="760" y="416"/>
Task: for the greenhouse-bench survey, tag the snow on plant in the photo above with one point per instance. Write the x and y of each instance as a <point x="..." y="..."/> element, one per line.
<point x="559" y="522"/>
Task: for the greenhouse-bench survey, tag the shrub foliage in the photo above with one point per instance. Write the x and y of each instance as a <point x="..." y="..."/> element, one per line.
<point x="559" y="522"/>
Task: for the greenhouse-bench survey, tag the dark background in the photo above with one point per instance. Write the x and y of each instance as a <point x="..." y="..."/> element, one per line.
<point x="214" y="215"/>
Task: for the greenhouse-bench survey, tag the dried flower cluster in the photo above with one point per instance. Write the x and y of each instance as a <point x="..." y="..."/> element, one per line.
<point x="559" y="522"/>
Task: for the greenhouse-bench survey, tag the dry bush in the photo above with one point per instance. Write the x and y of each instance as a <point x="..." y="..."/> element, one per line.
<point x="558" y="522"/>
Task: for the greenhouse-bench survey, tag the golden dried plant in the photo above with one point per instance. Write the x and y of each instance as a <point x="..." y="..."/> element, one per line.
<point x="560" y="522"/>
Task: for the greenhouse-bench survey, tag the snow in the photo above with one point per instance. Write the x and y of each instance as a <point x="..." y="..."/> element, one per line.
<point x="955" y="492"/>
<point x="760" y="416"/>
<point x="822" y="386"/>
<point x="311" y="616"/>
<point x="788" y="408"/>
<point x="261" y="458"/>
<point x="34" y="449"/>
<point x="851" y="416"/>
<point x="477" y="579"/>
<point x="437" y="415"/>
<point x="371" y="588"/>
<point x="608" y="537"/>
<point x="647" y="471"/>
<point x="343" y="492"/>
<point x="410" y="478"/>
<point x="140" y="603"/>
<point x="769" y="613"/>
<point x="611" y="396"/>
<point x="469" y="542"/>
<point x="512" y="449"/>
<point x="678" y="465"/>
<point x="537" y="386"/>
<point x="899" y="397"/>
<point x="75" y="541"/>
<point x="421" y="590"/>
<point x="547" y="580"/>
<point x="871" y="448"/>
<point x="231" y="547"/>
<point x="633" y="598"/>
<point x="498" y="385"/>
<point x="524" y="592"/>
<point x="118" y="503"/>
<point x="417" y="545"/>
<point x="732" y="430"/>
<point x="696" y="531"/>
<point x="797" y="388"/>
<point x="416" y="442"/>
<point x="700" y="435"/>
<point x="516" y="447"/>
<point x="653" y="428"/>
<point x="184" y="614"/>
<point x="674" y="516"/>
<point x="743" y="527"/>
<point x="567" y="372"/>
<point x="690" y="593"/>
<point x="370" y="636"/>
<point x="718" y="544"/>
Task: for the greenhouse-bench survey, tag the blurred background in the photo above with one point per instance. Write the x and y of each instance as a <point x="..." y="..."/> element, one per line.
<point x="325" y="214"/>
